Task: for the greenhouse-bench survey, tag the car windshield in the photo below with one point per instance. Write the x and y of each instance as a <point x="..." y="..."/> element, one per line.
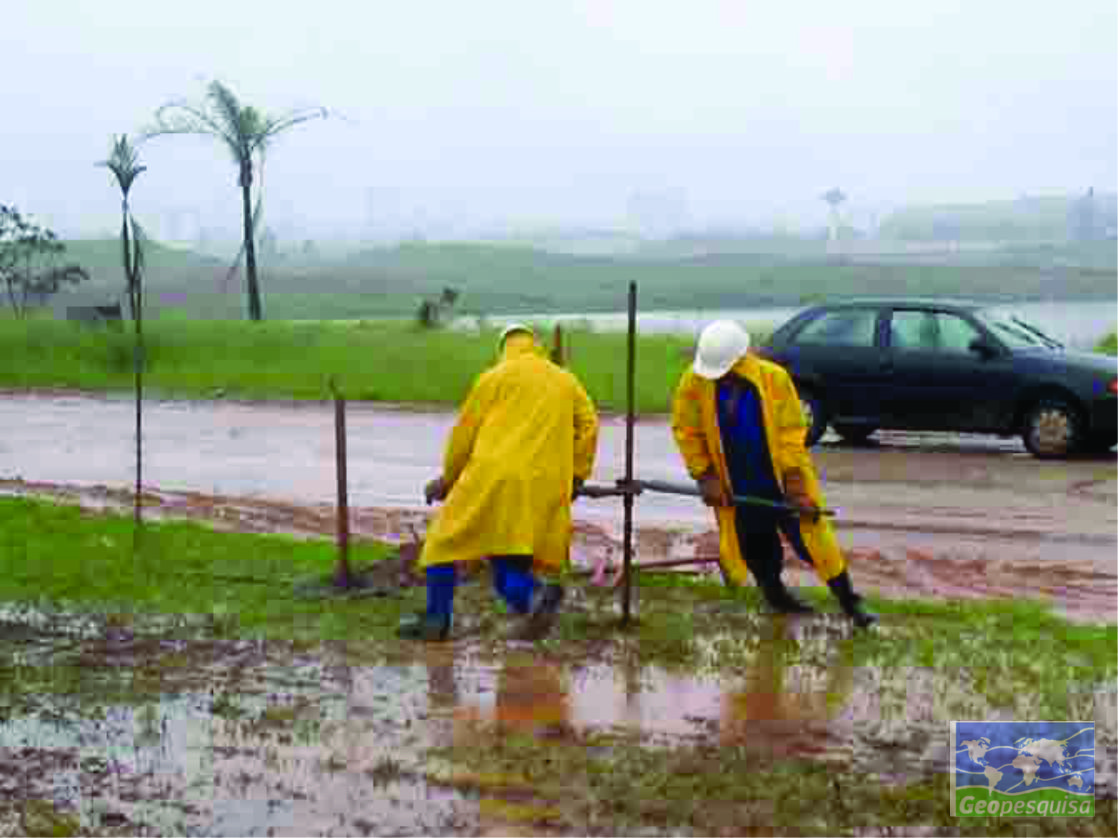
<point x="1017" y="333"/>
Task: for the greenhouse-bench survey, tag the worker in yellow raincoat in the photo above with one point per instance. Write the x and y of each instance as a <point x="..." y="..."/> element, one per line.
<point x="523" y="444"/>
<point x="738" y="423"/>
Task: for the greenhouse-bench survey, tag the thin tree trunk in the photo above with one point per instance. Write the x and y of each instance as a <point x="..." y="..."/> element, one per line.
<point x="132" y="267"/>
<point x="129" y="280"/>
<point x="254" y="309"/>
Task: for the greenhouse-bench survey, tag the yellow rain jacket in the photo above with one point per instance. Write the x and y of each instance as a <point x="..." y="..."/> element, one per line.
<point x="526" y="431"/>
<point x="695" y="426"/>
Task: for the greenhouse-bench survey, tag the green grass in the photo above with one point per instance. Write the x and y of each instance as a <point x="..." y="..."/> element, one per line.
<point x="73" y="560"/>
<point x="373" y="360"/>
<point x="1109" y="344"/>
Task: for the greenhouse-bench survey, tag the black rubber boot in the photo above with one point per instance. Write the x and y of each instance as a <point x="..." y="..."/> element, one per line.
<point x="542" y="613"/>
<point x="851" y="603"/>
<point x="779" y="598"/>
<point x="422" y="627"/>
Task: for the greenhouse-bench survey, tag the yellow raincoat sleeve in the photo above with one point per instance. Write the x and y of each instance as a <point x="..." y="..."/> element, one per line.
<point x="464" y="433"/>
<point x="791" y="429"/>
<point x="586" y="432"/>
<point x="687" y="427"/>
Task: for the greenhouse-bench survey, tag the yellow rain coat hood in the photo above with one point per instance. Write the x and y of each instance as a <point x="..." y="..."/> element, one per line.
<point x="695" y="426"/>
<point x="526" y="430"/>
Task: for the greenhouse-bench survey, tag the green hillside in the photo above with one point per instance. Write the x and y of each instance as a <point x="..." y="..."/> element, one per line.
<point x="510" y="280"/>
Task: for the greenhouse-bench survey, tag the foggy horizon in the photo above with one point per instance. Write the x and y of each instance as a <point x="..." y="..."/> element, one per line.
<point x="503" y="116"/>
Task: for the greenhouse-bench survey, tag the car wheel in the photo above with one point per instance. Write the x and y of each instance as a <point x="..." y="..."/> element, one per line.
<point x="815" y="416"/>
<point x="1051" y="429"/>
<point x="855" y="433"/>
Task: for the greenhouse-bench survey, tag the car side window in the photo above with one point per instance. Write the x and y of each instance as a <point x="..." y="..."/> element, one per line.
<point x="956" y="334"/>
<point x="913" y="330"/>
<point x="845" y="327"/>
<point x="927" y="331"/>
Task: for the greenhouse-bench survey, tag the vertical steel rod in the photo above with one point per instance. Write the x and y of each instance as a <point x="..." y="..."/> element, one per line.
<point x="342" y="577"/>
<point x="627" y="584"/>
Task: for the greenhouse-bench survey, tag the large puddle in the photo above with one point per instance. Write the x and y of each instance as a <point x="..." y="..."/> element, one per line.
<point x="159" y="727"/>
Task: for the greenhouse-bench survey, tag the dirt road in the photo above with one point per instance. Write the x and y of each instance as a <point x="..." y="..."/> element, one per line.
<point x="929" y="514"/>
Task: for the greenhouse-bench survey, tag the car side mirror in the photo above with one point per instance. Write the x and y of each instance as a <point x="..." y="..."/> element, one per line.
<point x="983" y="348"/>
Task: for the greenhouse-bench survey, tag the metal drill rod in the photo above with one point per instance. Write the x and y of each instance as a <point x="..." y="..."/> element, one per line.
<point x="636" y="487"/>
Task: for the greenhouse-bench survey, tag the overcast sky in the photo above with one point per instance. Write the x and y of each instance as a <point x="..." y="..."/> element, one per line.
<point x="531" y="112"/>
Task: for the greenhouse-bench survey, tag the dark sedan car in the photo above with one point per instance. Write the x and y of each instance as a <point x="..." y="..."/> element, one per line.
<point x="930" y="365"/>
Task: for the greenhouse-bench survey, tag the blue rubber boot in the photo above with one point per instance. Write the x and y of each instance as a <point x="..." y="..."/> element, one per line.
<point x="433" y="624"/>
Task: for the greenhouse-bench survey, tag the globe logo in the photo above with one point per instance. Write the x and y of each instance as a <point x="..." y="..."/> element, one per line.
<point x="1023" y="769"/>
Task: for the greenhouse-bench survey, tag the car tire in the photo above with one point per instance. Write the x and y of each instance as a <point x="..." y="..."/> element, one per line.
<point x="855" y="433"/>
<point x="815" y="415"/>
<point x="1052" y="429"/>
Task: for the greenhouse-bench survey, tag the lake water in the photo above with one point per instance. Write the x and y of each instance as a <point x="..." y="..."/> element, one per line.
<point x="1079" y="325"/>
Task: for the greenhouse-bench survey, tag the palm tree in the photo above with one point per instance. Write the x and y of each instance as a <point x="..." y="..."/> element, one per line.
<point x="246" y="133"/>
<point x="123" y="162"/>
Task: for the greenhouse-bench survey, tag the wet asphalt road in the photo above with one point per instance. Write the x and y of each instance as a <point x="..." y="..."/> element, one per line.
<point x="925" y="482"/>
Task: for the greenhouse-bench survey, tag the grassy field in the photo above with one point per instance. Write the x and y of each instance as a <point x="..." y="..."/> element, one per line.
<point x="973" y="659"/>
<point x="373" y="360"/>
<point x="1109" y="344"/>
<point x="511" y="280"/>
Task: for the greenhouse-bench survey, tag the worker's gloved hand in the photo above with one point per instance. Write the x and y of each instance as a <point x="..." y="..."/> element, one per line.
<point x="435" y="490"/>
<point x="711" y="488"/>
<point x="795" y="492"/>
<point x="576" y="487"/>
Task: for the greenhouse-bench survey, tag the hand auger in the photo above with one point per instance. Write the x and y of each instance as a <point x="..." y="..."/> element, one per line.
<point x="636" y="487"/>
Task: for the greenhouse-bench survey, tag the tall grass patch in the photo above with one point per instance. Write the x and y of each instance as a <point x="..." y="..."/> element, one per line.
<point x="374" y="360"/>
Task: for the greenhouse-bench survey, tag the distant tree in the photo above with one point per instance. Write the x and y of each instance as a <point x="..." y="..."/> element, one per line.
<point x="246" y="132"/>
<point x="29" y="266"/>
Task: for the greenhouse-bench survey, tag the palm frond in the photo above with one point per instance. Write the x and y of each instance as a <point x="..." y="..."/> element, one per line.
<point x="277" y="125"/>
<point x="225" y="105"/>
<point x="123" y="162"/>
<point x="181" y="117"/>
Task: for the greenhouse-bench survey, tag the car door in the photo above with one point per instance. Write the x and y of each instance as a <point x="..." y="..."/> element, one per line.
<point x="939" y="382"/>
<point x="840" y="355"/>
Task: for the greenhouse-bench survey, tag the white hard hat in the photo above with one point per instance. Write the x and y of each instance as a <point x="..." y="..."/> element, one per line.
<point x="721" y="345"/>
<point x="515" y="327"/>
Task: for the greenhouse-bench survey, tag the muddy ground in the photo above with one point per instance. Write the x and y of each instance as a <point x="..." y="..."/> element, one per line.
<point x="920" y="514"/>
